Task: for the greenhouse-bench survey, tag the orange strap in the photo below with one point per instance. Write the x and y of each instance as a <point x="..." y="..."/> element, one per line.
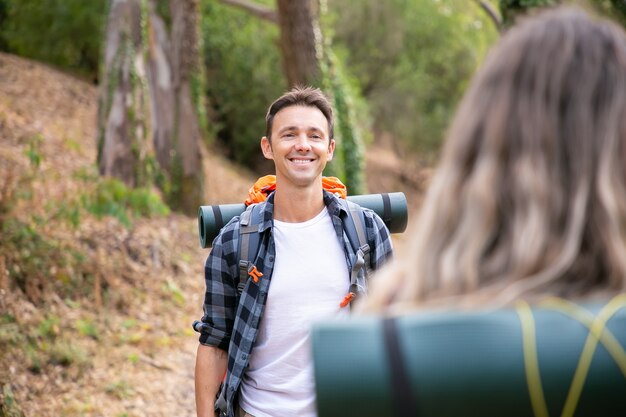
<point x="265" y="185"/>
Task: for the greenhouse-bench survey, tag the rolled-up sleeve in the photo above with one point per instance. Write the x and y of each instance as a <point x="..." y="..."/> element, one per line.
<point x="220" y="298"/>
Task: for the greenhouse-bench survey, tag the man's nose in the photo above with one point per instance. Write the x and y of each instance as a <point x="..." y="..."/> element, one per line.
<point x="302" y="144"/>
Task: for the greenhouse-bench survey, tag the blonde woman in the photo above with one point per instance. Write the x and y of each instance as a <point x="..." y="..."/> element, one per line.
<point x="529" y="198"/>
<point x="527" y="210"/>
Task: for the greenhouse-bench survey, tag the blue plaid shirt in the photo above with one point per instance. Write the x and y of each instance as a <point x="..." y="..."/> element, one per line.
<point x="231" y="321"/>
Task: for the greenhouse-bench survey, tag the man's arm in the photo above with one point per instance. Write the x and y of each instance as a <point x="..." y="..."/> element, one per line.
<point x="215" y="327"/>
<point x="211" y="363"/>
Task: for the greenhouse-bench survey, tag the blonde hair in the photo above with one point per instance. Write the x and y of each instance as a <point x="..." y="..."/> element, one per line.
<point x="530" y="195"/>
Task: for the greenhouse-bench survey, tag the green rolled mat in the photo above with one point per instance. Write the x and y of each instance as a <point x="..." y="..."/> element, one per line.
<point x="464" y="364"/>
<point x="391" y="207"/>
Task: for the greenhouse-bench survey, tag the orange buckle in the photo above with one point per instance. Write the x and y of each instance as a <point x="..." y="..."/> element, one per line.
<point x="255" y="273"/>
<point x="346" y="300"/>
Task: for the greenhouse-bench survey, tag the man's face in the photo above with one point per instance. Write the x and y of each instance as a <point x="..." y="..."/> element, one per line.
<point x="300" y="146"/>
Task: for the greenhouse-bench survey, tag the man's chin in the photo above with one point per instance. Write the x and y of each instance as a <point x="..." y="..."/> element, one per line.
<point x="305" y="181"/>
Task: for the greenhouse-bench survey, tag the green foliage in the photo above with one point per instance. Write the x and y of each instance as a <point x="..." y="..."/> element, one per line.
<point x="3" y="19"/>
<point x="120" y="389"/>
<point x="243" y="66"/>
<point x="524" y="4"/>
<point x="34" y="257"/>
<point x="65" y="33"/>
<point x="33" y="150"/>
<point x="133" y="358"/>
<point x="50" y="342"/>
<point x="65" y="353"/>
<point x="615" y="9"/>
<point x="112" y="198"/>
<point x="86" y="327"/>
<point x="348" y="161"/>
<point x="510" y="9"/>
<point x="9" y="331"/>
<point x="49" y="327"/>
<point x="67" y="211"/>
<point x="619" y="7"/>
<point x="17" y="178"/>
<point x="413" y="60"/>
<point x="174" y="291"/>
<point x="163" y="10"/>
<point x="8" y="404"/>
<point x="349" y="144"/>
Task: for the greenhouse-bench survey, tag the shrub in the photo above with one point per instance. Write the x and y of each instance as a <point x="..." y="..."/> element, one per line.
<point x="413" y="74"/>
<point x="64" y="33"/>
<point x="112" y="197"/>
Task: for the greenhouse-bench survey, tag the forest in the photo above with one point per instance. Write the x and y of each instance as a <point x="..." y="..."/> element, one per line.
<point x="118" y="118"/>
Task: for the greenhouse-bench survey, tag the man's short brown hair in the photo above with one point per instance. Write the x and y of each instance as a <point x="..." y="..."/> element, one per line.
<point x="300" y="96"/>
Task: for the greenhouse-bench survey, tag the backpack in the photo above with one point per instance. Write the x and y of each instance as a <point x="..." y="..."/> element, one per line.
<point x="353" y="226"/>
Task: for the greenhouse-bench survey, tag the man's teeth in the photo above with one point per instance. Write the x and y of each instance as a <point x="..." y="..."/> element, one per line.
<point x="301" y="161"/>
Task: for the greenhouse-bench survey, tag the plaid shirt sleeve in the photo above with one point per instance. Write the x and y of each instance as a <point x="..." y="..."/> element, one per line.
<point x="381" y="247"/>
<point x="220" y="298"/>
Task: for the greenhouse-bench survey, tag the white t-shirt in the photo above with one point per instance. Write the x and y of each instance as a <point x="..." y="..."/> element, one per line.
<point x="309" y="281"/>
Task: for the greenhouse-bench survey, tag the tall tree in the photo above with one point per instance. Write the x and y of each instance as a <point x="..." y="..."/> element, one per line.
<point x="152" y="51"/>
<point x="173" y="65"/>
<point x="298" y="23"/>
<point x="122" y="110"/>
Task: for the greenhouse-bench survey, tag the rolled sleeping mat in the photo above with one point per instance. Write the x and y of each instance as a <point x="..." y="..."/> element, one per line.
<point x="391" y="207"/>
<point x="467" y="364"/>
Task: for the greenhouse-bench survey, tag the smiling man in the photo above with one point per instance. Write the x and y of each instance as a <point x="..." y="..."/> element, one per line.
<point x="304" y="269"/>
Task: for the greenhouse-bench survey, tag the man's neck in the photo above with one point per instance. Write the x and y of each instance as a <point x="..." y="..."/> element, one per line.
<point x="297" y="205"/>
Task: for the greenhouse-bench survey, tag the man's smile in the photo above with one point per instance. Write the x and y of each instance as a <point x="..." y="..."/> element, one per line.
<point x="301" y="161"/>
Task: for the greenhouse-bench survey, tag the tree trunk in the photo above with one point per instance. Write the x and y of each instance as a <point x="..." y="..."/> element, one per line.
<point x="121" y="113"/>
<point x="297" y="21"/>
<point x="171" y="57"/>
<point x="186" y="165"/>
<point x="161" y="89"/>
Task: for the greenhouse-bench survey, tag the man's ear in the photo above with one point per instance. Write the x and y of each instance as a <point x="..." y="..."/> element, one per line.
<point x="331" y="149"/>
<point x="266" y="147"/>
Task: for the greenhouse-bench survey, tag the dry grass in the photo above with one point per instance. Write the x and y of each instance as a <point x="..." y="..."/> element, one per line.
<point x="100" y="324"/>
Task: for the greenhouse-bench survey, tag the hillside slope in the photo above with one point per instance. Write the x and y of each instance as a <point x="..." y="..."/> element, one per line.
<point x="99" y="322"/>
<point x="121" y="346"/>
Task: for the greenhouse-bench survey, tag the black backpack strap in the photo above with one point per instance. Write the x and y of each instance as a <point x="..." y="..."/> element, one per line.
<point x="403" y="400"/>
<point x="249" y="242"/>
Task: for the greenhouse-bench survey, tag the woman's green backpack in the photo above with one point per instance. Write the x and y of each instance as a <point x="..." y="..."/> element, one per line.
<point x="556" y="359"/>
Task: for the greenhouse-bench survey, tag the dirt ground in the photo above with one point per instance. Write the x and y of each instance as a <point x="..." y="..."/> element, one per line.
<point x="133" y="347"/>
